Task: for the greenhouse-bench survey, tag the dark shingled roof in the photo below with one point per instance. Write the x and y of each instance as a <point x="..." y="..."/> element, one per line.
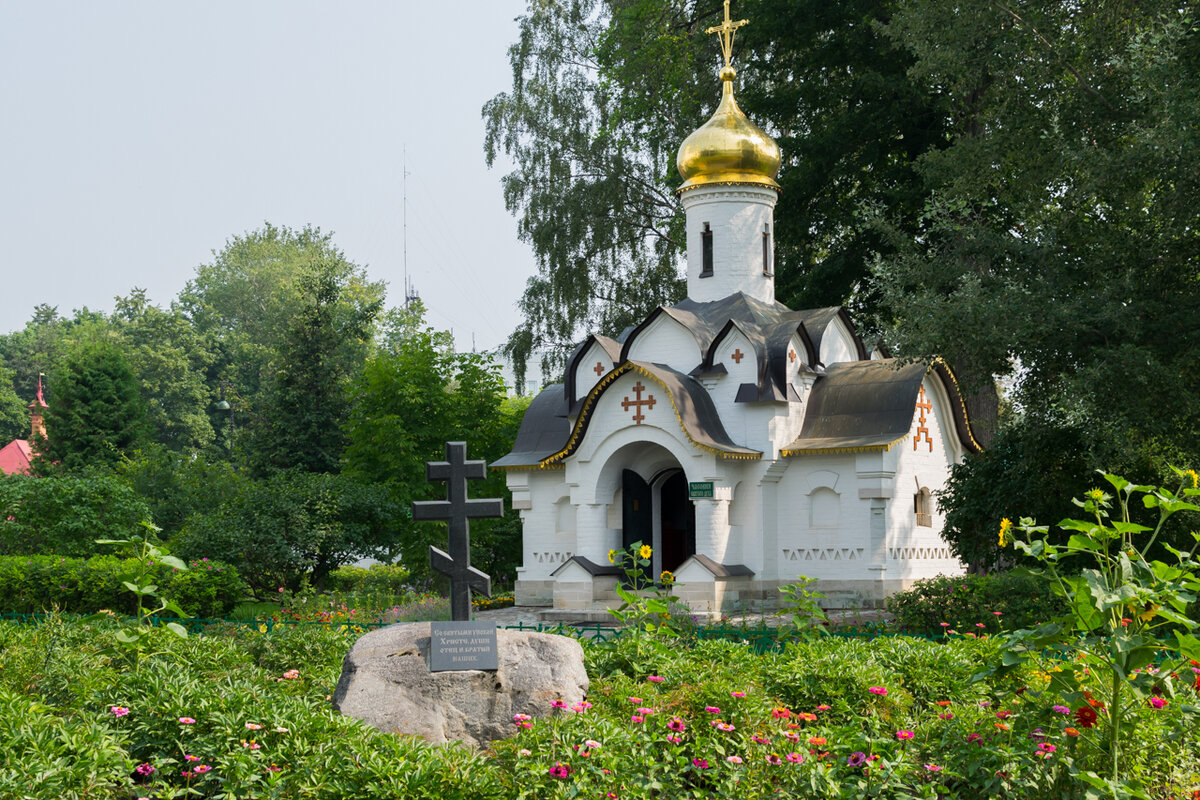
<point x="589" y="566"/>
<point x="870" y="404"/>
<point x="769" y="328"/>
<point x="543" y="432"/>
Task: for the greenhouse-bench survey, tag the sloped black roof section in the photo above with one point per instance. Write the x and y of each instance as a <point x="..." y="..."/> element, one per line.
<point x="692" y="404"/>
<point x="589" y="566"/>
<point x="860" y="404"/>
<point x="543" y="432"/>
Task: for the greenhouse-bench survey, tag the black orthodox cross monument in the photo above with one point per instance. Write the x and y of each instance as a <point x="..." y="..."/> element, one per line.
<point x="457" y="510"/>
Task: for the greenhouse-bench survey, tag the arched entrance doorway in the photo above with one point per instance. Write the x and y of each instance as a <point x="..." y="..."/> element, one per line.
<point x="658" y="512"/>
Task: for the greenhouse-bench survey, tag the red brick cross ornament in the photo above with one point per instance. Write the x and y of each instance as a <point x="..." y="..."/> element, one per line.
<point x="737" y="356"/>
<point x="599" y="368"/>
<point x="637" y="404"/>
<point x="923" y="405"/>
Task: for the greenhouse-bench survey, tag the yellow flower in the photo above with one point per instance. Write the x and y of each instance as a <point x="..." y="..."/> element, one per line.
<point x="1005" y="528"/>
<point x="645" y="551"/>
<point x="1191" y="473"/>
<point x="1097" y="494"/>
<point x="612" y="556"/>
<point x="667" y="576"/>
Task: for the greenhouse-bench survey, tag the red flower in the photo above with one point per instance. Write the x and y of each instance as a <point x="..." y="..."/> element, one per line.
<point x="561" y="771"/>
<point x="1086" y="717"/>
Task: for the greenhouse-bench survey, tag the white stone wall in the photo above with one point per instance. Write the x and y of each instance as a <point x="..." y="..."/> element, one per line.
<point x="737" y="216"/>
<point x="585" y="370"/>
<point x="666" y="341"/>
<point x="837" y="344"/>
<point x="916" y="551"/>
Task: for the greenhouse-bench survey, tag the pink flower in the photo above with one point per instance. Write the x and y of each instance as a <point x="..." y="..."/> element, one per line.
<point x="144" y="769"/>
<point x="795" y="758"/>
<point x="524" y="752"/>
<point x="676" y="724"/>
<point x="581" y="707"/>
<point x="946" y="715"/>
<point x="712" y="709"/>
<point x="933" y="768"/>
<point x="823" y="708"/>
<point x="561" y="771"/>
<point x="903" y="735"/>
<point x="252" y="745"/>
<point x="637" y="718"/>
<point x="1158" y="702"/>
<point x="191" y="758"/>
<point x="700" y="763"/>
<point x="291" y="675"/>
<point x="521" y="718"/>
<point x="674" y="739"/>
<point x="760" y="740"/>
<point x="558" y="704"/>
<point x="734" y="759"/>
<point x="637" y="701"/>
<point x="119" y="711"/>
<point x="645" y="712"/>
<point x="656" y="679"/>
<point x="737" y="694"/>
<point x="253" y="726"/>
<point x="200" y="769"/>
<point x="186" y="721"/>
<point x="877" y="690"/>
<point x="774" y="760"/>
<point x="724" y="726"/>
<point x="974" y="737"/>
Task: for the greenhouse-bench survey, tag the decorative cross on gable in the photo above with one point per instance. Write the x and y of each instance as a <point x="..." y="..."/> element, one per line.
<point x="923" y="406"/>
<point x="457" y="510"/>
<point x="599" y="368"/>
<point x="791" y="355"/>
<point x="737" y="355"/>
<point x="626" y="404"/>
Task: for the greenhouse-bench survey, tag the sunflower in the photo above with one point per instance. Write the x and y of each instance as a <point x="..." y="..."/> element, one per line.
<point x="645" y="551"/>
<point x="1005" y="531"/>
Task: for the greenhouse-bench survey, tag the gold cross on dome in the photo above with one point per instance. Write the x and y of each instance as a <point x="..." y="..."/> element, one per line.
<point x="726" y="30"/>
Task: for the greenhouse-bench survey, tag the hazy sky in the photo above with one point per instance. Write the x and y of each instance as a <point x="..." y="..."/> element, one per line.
<point x="136" y="137"/>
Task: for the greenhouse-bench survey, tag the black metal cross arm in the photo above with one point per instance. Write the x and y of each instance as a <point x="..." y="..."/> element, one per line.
<point x="468" y="575"/>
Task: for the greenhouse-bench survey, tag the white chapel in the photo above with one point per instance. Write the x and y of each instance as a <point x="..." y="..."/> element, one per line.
<point x="748" y="444"/>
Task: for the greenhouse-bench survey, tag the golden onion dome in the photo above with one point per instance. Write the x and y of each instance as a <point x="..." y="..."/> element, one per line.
<point x="729" y="148"/>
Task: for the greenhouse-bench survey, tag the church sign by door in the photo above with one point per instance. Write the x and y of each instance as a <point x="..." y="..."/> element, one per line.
<point x="700" y="490"/>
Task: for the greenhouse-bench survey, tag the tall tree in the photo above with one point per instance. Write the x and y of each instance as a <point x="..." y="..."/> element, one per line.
<point x="97" y="415"/>
<point x="170" y="358"/>
<point x="414" y="396"/>
<point x="1060" y="242"/>
<point x="245" y="301"/>
<point x="14" y="416"/>
<point x="603" y="94"/>
<point x="299" y="425"/>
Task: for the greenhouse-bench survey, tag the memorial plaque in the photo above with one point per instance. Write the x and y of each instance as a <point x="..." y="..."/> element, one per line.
<point x="699" y="490"/>
<point x="462" y="645"/>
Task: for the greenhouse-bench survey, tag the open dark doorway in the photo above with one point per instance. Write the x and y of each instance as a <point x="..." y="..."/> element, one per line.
<point x="637" y="512"/>
<point x="678" y="523"/>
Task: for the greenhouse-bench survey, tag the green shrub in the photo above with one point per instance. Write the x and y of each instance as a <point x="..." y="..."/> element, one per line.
<point x="291" y="528"/>
<point x="65" y="515"/>
<point x="378" y="579"/>
<point x="30" y="584"/>
<point x="975" y="603"/>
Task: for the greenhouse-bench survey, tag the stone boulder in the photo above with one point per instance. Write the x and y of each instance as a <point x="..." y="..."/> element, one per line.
<point x="385" y="682"/>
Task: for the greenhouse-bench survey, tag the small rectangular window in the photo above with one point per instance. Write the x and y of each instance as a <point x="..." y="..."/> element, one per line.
<point x="706" y="250"/>
<point x="766" y="263"/>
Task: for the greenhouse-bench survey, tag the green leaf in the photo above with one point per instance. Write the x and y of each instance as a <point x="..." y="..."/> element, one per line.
<point x="177" y="629"/>
<point x="172" y="561"/>
<point x="133" y="587"/>
<point x="112" y="541"/>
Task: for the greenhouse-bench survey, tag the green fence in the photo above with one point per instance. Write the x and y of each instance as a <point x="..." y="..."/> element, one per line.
<point x="761" y="639"/>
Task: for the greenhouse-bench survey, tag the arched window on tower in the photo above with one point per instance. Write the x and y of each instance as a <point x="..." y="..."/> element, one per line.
<point x="706" y="252"/>
<point x="766" y="239"/>
<point x="923" y="506"/>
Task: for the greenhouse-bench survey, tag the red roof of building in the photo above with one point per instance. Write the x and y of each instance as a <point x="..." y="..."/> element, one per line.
<point x="15" y="457"/>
